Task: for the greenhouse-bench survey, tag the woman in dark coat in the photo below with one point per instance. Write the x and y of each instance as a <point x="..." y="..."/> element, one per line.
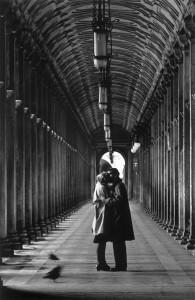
<point x="122" y="228"/>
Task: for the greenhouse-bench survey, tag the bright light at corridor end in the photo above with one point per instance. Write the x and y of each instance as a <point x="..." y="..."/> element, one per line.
<point x="135" y="147"/>
<point x="118" y="162"/>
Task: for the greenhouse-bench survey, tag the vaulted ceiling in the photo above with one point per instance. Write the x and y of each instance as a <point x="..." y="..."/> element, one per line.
<point x="142" y="36"/>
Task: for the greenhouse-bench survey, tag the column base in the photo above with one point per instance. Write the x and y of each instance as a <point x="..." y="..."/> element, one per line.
<point x="48" y="224"/>
<point x="6" y="248"/>
<point x="62" y="216"/>
<point x="178" y="235"/>
<point x="14" y="241"/>
<point x="169" y="229"/>
<point x="43" y="227"/>
<point x="174" y="232"/>
<point x="53" y="223"/>
<point x="165" y="226"/>
<point x="37" y="231"/>
<point x="31" y="234"/>
<point x="162" y="223"/>
<point x="23" y="236"/>
<point x="190" y="244"/>
<point x="57" y="219"/>
<point x="159" y="221"/>
<point x="184" y="238"/>
<point x="147" y="210"/>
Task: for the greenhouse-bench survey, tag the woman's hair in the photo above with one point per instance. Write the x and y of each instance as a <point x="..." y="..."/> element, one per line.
<point x="103" y="177"/>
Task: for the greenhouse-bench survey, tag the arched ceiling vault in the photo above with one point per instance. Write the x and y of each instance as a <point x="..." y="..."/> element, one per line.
<point x="142" y="39"/>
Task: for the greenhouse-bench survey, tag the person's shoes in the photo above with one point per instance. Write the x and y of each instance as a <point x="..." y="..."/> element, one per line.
<point x="103" y="268"/>
<point x="119" y="269"/>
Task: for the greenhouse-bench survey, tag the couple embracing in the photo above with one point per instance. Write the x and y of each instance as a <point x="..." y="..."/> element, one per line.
<point x="112" y="220"/>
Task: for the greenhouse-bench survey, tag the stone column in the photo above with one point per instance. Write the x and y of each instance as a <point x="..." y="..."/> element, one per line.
<point x="166" y="164"/>
<point x="46" y="159"/>
<point x="172" y="147"/>
<point x="50" y="160"/>
<point x="50" y="188"/>
<point x="68" y="177"/>
<point x="152" y="168"/>
<point x="158" y="165"/>
<point x="53" y="161"/>
<point x="40" y="164"/>
<point x="169" y="154"/>
<point x="129" y="168"/>
<point x="40" y="155"/>
<point x="161" y="163"/>
<point x="62" y="171"/>
<point x="180" y="144"/>
<point x="175" y="152"/>
<point x="163" y="159"/>
<point x="186" y="147"/>
<point x="191" y="27"/>
<point x="19" y="142"/>
<point x="10" y="140"/>
<point x="34" y="153"/>
<point x="11" y="171"/>
<point x="3" y="189"/>
<point x="27" y="76"/>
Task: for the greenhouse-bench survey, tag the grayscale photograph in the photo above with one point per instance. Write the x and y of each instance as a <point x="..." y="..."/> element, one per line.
<point x="97" y="149"/>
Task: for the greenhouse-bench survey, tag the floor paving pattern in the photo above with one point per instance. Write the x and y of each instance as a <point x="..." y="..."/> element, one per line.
<point x="158" y="267"/>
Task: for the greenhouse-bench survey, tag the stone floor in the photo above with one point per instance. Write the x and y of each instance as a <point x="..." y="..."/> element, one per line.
<point x="158" y="267"/>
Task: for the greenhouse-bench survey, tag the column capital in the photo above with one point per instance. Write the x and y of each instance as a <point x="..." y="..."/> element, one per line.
<point x="184" y="38"/>
<point x="178" y="53"/>
<point x="160" y="94"/>
<point x="2" y="84"/>
<point x="162" y="88"/>
<point x="190" y="25"/>
<point x="9" y="93"/>
<point x="173" y="62"/>
<point x="18" y="103"/>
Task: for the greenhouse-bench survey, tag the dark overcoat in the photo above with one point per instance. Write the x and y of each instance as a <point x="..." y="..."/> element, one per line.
<point x="122" y="227"/>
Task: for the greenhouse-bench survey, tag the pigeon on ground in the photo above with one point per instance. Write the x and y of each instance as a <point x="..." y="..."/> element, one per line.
<point x="54" y="273"/>
<point x="53" y="256"/>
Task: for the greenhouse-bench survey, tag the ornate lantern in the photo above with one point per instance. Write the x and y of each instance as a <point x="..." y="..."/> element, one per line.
<point x="103" y="97"/>
<point x="107" y="134"/>
<point x="106" y="121"/>
<point x="101" y="25"/>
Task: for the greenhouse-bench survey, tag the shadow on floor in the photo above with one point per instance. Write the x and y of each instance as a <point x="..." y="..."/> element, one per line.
<point x="7" y="293"/>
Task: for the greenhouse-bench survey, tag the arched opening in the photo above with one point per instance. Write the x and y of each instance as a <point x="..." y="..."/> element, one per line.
<point x="118" y="162"/>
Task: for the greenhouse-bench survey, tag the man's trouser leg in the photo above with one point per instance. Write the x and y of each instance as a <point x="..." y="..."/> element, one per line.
<point x="120" y="254"/>
<point x="101" y="249"/>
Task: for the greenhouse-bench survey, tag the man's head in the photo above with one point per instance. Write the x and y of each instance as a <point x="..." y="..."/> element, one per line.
<point x="114" y="175"/>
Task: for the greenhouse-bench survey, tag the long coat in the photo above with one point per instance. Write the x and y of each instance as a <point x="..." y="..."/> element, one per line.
<point x="122" y="227"/>
<point x="101" y="226"/>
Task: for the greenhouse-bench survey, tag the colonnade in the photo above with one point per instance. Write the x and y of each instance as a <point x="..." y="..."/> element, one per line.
<point x="166" y="161"/>
<point x="45" y="158"/>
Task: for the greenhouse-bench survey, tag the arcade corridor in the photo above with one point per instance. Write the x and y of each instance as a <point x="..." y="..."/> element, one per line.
<point x="78" y="79"/>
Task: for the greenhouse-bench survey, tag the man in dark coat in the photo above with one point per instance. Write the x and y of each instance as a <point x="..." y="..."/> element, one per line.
<point x="122" y="227"/>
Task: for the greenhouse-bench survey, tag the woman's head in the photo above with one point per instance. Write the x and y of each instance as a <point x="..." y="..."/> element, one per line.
<point x="103" y="177"/>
